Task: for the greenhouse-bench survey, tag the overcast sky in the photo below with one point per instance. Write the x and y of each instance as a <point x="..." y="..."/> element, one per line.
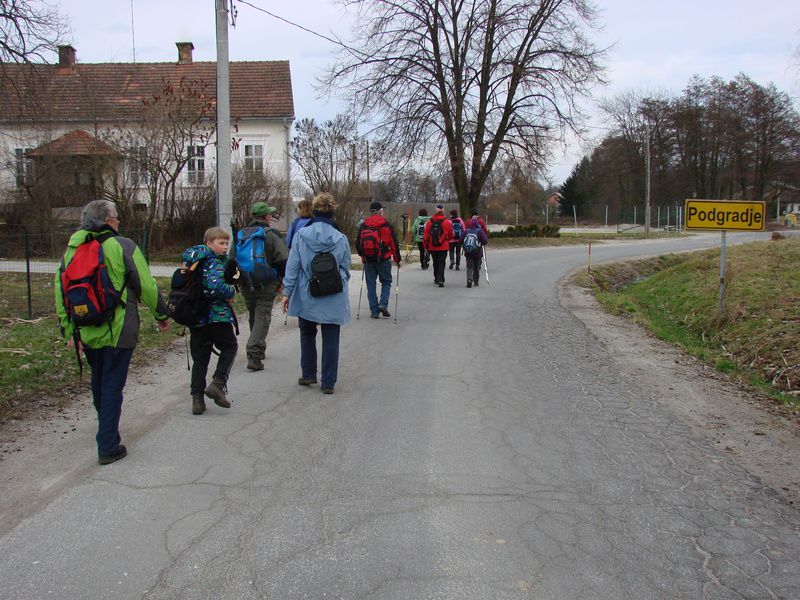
<point x="657" y="45"/>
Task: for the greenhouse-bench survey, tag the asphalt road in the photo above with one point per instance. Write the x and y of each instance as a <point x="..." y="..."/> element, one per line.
<point x="485" y="446"/>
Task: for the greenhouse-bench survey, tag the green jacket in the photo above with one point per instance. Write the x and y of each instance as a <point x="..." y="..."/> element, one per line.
<point x="420" y="220"/>
<point x="121" y="256"/>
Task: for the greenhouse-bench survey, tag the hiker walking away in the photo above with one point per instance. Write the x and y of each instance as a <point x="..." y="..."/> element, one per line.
<point x="216" y="327"/>
<point x="458" y="236"/>
<point x="474" y="213"/>
<point x="261" y="258"/>
<point x="475" y="239"/>
<point x="438" y="233"/>
<point x="376" y="244"/>
<point x="315" y="290"/>
<point x="418" y="227"/>
<point x="303" y="216"/>
<point x="108" y="343"/>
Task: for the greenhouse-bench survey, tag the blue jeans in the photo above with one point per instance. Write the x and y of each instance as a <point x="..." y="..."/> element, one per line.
<point x="109" y="373"/>
<point x="379" y="270"/>
<point x="330" y="351"/>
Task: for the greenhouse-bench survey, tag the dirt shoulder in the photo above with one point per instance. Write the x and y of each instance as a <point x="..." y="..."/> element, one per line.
<point x="754" y="431"/>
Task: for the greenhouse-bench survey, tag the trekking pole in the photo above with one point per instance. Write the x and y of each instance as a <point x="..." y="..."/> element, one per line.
<point x="396" y="293"/>
<point x="485" y="265"/>
<point x="361" y="289"/>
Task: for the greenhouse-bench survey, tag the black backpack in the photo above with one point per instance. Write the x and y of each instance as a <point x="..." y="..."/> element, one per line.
<point x="436" y="232"/>
<point x="187" y="303"/>
<point x="325" y="279"/>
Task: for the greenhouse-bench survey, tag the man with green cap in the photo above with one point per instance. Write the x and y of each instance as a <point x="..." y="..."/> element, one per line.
<point x="261" y="256"/>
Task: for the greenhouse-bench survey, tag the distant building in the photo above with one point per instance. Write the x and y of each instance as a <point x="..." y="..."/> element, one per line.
<point x="77" y="118"/>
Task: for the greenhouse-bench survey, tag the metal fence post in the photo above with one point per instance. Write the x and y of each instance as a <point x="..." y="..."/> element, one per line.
<point x="28" y="271"/>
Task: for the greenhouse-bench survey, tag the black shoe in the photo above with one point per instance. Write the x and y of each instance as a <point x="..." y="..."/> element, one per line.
<point x="458" y="268"/>
<point x="469" y="283"/>
<point x="255" y="364"/>
<point x="441" y="284"/>
<point x="326" y="390"/>
<point x="375" y="316"/>
<point x="384" y="312"/>
<point x="477" y="282"/>
<point x="121" y="453"/>
<point x="304" y="381"/>
<point x="451" y="266"/>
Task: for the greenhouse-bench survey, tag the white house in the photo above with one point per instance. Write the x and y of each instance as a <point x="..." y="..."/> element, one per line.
<point x="71" y="110"/>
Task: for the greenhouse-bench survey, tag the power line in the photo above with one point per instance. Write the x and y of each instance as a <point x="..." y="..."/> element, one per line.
<point x="306" y="29"/>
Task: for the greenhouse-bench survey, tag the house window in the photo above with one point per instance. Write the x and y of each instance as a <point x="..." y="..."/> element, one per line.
<point x="254" y="157"/>
<point x="196" y="165"/>
<point x="23" y="169"/>
<point x="137" y="167"/>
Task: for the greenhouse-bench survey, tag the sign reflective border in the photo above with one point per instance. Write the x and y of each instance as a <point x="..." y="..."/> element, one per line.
<point x="725" y="215"/>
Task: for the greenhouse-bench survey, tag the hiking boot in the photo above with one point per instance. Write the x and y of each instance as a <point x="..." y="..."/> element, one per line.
<point x="107" y="459"/>
<point x="441" y="284"/>
<point x="198" y="404"/>
<point x="216" y="391"/>
<point x="385" y="312"/>
<point x="375" y="316"/>
<point x="326" y="390"/>
<point x="451" y="266"/>
<point x="254" y="364"/>
<point x="477" y="282"/>
<point x="469" y="282"/>
<point x="304" y="381"/>
<point x="458" y="267"/>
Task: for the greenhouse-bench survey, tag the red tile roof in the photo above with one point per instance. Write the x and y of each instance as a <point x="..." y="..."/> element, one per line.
<point x="74" y="143"/>
<point x="115" y="91"/>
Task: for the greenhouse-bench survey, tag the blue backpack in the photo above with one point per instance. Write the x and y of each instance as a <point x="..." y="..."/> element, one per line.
<point x="471" y="243"/>
<point x="251" y="256"/>
<point x="457" y="230"/>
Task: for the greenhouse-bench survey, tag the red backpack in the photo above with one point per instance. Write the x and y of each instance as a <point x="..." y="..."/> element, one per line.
<point x="87" y="292"/>
<point x="369" y="243"/>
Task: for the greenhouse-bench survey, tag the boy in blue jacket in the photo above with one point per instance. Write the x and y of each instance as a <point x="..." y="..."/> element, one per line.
<point x="216" y="328"/>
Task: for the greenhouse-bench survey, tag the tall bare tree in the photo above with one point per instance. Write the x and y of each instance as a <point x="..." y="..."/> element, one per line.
<point x="29" y="30"/>
<point x="472" y="80"/>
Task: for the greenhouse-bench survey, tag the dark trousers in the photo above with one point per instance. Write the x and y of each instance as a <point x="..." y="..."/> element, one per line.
<point x="455" y="249"/>
<point x="201" y="343"/>
<point x="109" y="373"/>
<point x="424" y="255"/>
<point x="473" y="268"/>
<point x="330" y="351"/>
<point x="439" y="257"/>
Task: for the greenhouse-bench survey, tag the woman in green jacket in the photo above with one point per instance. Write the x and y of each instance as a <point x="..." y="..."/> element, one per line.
<point x="418" y="228"/>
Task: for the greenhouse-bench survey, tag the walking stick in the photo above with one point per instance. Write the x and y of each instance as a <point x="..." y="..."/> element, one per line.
<point x="396" y="293"/>
<point x="485" y="266"/>
<point x="360" y="290"/>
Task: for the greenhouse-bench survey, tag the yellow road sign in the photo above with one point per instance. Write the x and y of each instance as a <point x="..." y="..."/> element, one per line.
<point x="725" y="215"/>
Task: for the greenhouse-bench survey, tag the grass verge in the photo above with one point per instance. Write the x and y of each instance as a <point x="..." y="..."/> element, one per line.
<point x="755" y="338"/>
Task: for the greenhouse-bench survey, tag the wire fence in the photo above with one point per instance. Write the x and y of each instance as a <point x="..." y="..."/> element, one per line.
<point x="28" y="263"/>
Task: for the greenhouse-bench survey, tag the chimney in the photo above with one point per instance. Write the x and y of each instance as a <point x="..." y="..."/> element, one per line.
<point x="66" y="57"/>
<point x="184" y="52"/>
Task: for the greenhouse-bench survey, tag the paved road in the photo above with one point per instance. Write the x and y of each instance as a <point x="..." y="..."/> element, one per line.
<point x="486" y="446"/>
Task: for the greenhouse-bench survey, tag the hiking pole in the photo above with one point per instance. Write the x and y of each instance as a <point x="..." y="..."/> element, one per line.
<point x="361" y="289"/>
<point x="396" y="293"/>
<point x="485" y="266"/>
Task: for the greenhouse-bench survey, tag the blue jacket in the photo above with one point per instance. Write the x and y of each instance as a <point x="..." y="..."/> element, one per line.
<point x="307" y="242"/>
<point x="214" y="286"/>
<point x="295" y="226"/>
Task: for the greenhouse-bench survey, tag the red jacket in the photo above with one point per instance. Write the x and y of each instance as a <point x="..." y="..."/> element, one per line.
<point x="444" y="238"/>
<point x="388" y="238"/>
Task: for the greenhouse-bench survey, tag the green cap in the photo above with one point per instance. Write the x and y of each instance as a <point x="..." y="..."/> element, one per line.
<point x="262" y="209"/>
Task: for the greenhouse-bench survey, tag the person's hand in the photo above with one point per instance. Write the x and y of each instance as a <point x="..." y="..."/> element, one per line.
<point x="71" y="344"/>
<point x="397" y="262"/>
<point x="163" y="325"/>
<point x="285" y="304"/>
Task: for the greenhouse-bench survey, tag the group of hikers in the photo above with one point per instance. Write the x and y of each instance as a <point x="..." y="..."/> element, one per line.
<point x="103" y="276"/>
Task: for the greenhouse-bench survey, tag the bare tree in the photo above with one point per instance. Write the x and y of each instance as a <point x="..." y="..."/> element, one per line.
<point x="473" y="81"/>
<point x="29" y="30"/>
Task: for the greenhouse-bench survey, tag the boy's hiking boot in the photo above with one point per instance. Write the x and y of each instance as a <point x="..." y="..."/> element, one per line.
<point x="308" y="380"/>
<point x="254" y="364"/>
<point x="326" y="390"/>
<point x="107" y="459"/>
<point x="384" y="311"/>
<point x="441" y="284"/>
<point x="375" y="316"/>
<point x="469" y="282"/>
<point x="198" y="404"/>
<point x="451" y="266"/>
<point x="216" y="391"/>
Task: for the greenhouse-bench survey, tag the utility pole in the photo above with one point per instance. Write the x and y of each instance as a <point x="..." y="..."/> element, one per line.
<point x="647" y="186"/>
<point x="224" y="189"/>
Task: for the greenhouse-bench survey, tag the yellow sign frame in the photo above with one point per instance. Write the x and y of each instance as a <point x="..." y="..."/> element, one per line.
<point x="725" y="215"/>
